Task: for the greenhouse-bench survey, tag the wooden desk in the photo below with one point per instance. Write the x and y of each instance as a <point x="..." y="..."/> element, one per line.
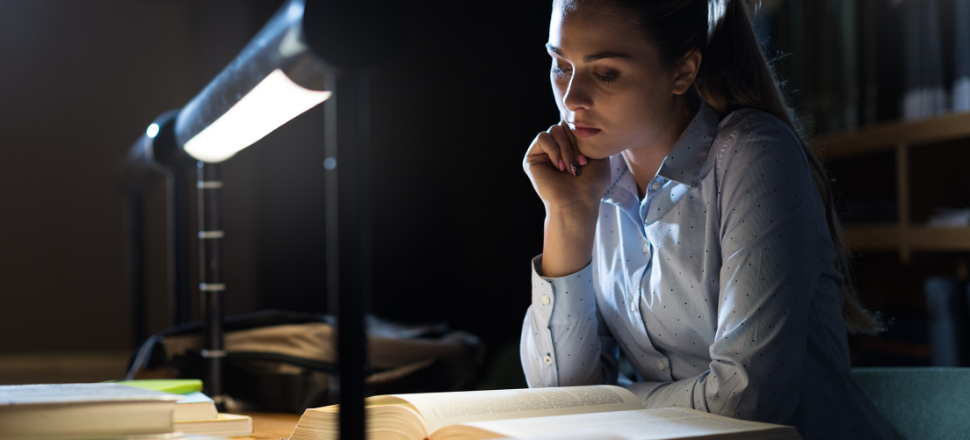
<point x="271" y="426"/>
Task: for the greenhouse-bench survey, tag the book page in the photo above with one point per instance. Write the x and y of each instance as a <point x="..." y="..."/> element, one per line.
<point x="389" y="417"/>
<point x="644" y="424"/>
<point x="443" y="409"/>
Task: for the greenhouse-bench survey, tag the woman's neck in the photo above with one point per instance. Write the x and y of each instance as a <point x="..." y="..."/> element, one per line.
<point x="644" y="161"/>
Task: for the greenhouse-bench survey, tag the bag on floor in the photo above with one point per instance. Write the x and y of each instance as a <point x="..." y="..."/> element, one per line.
<point x="279" y="361"/>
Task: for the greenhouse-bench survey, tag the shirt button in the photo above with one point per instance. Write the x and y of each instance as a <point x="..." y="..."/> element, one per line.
<point x="633" y="307"/>
<point x="548" y="359"/>
<point x="646" y="248"/>
<point x="546" y="299"/>
<point x="656" y="185"/>
<point x="660" y="365"/>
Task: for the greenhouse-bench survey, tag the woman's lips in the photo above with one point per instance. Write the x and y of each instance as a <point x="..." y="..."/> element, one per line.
<point x="585" y="132"/>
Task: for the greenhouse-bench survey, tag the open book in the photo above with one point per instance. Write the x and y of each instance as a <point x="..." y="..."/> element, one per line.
<point x="600" y="411"/>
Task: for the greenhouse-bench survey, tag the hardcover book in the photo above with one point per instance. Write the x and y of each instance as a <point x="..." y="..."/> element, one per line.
<point x="601" y="411"/>
<point x="83" y="411"/>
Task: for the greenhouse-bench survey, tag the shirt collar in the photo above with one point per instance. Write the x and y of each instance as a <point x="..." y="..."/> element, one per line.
<point x="682" y="164"/>
<point x="623" y="190"/>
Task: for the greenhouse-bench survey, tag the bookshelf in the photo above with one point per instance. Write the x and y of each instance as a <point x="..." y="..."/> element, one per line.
<point x="902" y="236"/>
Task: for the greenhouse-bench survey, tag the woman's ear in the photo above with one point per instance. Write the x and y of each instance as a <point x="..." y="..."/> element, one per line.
<point x="685" y="71"/>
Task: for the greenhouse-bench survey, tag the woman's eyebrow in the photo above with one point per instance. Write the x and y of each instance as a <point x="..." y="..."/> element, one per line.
<point x="553" y="49"/>
<point x="592" y="57"/>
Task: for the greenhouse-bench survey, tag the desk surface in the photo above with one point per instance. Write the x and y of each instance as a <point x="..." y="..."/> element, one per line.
<point x="272" y="426"/>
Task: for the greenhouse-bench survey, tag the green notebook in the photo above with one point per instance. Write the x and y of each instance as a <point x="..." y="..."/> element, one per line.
<point x="177" y="386"/>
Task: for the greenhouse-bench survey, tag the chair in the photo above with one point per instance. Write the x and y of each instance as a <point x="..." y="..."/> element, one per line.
<point x="921" y="402"/>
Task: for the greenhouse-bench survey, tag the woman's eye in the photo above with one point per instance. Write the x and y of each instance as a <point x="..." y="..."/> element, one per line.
<point x="561" y="72"/>
<point x="607" y="78"/>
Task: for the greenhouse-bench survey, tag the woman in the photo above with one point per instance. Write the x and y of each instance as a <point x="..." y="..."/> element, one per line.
<point x="688" y="225"/>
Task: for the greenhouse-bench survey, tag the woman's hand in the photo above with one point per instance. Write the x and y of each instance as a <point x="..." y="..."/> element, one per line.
<point x="571" y="186"/>
<point x="565" y="180"/>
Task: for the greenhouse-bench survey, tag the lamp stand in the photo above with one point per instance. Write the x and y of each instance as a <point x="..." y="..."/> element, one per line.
<point x="210" y="278"/>
<point x="179" y="241"/>
<point x="135" y="258"/>
<point x="348" y="205"/>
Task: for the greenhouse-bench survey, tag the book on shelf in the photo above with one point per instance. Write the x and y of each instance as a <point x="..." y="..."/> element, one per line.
<point x="83" y="411"/>
<point x="961" y="56"/>
<point x="945" y="326"/>
<point x="223" y="425"/>
<point x="599" y="411"/>
<point x="924" y="94"/>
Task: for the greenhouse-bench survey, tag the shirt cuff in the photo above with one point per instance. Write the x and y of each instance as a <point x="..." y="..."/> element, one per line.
<point x="559" y="300"/>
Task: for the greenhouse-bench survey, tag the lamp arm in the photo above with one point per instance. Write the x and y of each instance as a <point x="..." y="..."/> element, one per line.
<point x="280" y="44"/>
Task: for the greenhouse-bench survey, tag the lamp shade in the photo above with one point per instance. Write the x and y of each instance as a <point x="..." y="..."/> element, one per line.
<point x="272" y="103"/>
<point x="275" y="78"/>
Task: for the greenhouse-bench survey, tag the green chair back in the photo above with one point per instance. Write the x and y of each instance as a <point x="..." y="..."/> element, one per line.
<point x="920" y="402"/>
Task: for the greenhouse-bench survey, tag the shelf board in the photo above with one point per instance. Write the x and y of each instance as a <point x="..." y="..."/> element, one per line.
<point x="873" y="237"/>
<point x="883" y="345"/>
<point x="940" y="239"/>
<point x="889" y="237"/>
<point x="887" y="136"/>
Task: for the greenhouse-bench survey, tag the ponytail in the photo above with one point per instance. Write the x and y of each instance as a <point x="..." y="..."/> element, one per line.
<point x="734" y="74"/>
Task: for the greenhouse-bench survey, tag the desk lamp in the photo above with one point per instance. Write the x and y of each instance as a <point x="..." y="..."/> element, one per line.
<point x="309" y="51"/>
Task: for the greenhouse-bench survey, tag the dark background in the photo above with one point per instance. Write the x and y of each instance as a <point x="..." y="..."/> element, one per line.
<point x="456" y="220"/>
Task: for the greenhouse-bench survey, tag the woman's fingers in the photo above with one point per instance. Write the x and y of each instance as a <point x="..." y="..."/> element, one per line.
<point x="557" y="147"/>
<point x="543" y="151"/>
<point x="572" y="140"/>
<point x="567" y="148"/>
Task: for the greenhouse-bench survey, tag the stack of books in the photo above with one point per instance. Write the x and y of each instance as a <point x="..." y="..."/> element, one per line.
<point x="196" y="413"/>
<point x="79" y="411"/>
<point x="112" y="411"/>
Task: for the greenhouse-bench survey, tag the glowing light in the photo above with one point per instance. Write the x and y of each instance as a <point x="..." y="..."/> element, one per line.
<point x="291" y="44"/>
<point x="272" y="103"/>
<point x="152" y="130"/>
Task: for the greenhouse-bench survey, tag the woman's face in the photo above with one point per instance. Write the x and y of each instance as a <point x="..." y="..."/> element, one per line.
<point x="610" y="85"/>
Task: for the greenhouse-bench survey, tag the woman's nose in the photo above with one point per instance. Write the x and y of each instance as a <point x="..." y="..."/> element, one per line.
<point x="577" y="95"/>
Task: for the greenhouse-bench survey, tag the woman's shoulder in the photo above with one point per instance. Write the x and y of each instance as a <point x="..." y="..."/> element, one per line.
<point x="745" y="123"/>
<point x="752" y="140"/>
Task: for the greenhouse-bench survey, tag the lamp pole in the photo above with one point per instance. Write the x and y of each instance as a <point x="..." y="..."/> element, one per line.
<point x="134" y="255"/>
<point x="354" y="38"/>
<point x="179" y="192"/>
<point x="211" y="284"/>
<point x="349" y="267"/>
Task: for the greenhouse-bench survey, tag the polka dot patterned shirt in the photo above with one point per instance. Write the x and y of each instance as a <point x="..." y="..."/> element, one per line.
<point x="719" y="286"/>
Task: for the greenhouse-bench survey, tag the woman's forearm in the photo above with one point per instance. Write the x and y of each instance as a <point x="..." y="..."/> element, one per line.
<point x="567" y="245"/>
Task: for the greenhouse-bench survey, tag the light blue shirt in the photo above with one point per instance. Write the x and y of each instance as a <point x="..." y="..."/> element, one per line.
<point x="719" y="287"/>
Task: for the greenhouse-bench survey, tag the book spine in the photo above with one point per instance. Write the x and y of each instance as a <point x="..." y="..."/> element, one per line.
<point x="849" y="65"/>
<point x="945" y="338"/>
<point x="911" y="61"/>
<point x="935" y="101"/>
<point x="869" y="79"/>
<point x="961" y="56"/>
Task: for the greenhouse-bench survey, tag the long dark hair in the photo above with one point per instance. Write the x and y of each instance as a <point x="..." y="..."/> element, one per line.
<point x="734" y="74"/>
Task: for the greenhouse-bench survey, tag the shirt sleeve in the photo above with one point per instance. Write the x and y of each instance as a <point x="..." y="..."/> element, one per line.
<point x="774" y="245"/>
<point x="564" y="341"/>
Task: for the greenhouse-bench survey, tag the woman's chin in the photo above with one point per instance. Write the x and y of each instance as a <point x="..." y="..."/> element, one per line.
<point x="594" y="153"/>
<point x="595" y="149"/>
